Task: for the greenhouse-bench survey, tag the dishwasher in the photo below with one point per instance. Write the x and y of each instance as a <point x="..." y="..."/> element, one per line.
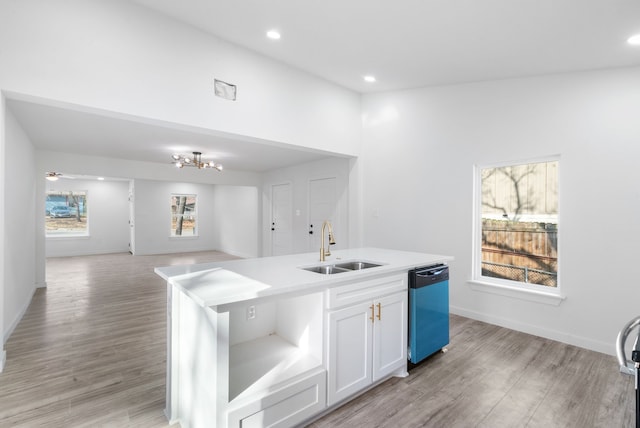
<point x="428" y="311"/>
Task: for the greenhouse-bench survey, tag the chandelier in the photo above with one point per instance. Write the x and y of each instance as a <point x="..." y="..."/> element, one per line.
<point x="196" y="160"/>
<point x="52" y="176"/>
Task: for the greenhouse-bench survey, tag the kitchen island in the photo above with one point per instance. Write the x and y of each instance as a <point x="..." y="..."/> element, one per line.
<point x="272" y="342"/>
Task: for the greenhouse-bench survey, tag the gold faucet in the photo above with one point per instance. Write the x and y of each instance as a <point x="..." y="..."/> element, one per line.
<point x="332" y="241"/>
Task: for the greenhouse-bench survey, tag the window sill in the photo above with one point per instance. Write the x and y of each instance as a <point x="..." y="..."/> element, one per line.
<point x="522" y="294"/>
<point x="183" y="237"/>
<point x="67" y="236"/>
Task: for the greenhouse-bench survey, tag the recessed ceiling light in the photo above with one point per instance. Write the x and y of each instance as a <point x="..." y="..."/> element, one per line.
<point x="634" y="40"/>
<point x="100" y="178"/>
<point x="273" y="34"/>
<point x="369" y="79"/>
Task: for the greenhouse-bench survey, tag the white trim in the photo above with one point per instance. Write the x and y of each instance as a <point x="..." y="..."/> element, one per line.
<point x="3" y="359"/>
<point x="531" y="295"/>
<point x="536" y="330"/>
<point x="193" y="214"/>
<point x="493" y="285"/>
<point x="62" y="236"/>
<point x="18" y="317"/>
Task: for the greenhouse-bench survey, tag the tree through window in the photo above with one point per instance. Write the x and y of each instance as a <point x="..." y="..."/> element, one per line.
<point x="183" y="215"/>
<point x="66" y="213"/>
<point x="519" y="223"/>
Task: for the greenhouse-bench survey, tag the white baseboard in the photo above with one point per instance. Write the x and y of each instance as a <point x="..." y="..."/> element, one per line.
<point x="18" y="317"/>
<point x="237" y="254"/>
<point x="559" y="336"/>
<point x="3" y="358"/>
<point x="86" y="253"/>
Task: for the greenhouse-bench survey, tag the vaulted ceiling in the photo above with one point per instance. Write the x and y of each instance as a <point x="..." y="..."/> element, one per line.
<point x="403" y="43"/>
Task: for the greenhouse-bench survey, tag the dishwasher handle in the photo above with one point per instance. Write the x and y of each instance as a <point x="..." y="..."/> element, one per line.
<point x="428" y="275"/>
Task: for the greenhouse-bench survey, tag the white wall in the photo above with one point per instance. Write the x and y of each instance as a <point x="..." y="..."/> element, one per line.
<point x="3" y="119"/>
<point x="236" y="214"/>
<point x="428" y="141"/>
<point x="19" y="277"/>
<point x="117" y="56"/>
<point x="299" y="176"/>
<point x="108" y="219"/>
<point x="153" y="219"/>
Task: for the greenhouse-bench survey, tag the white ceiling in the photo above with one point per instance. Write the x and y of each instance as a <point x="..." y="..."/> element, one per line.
<point x="414" y="43"/>
<point x="70" y="131"/>
<point x="404" y="43"/>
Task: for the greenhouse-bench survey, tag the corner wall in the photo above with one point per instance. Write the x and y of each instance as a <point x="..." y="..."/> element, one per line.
<point x="429" y="141"/>
<point x="3" y="244"/>
<point x="19" y="225"/>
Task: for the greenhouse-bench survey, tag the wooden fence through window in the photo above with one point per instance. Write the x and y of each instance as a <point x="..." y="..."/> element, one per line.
<point x="521" y="251"/>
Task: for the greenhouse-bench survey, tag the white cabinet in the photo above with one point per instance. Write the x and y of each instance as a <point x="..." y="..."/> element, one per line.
<point x="350" y="353"/>
<point x="367" y="335"/>
<point x="390" y="335"/>
<point x="253" y="364"/>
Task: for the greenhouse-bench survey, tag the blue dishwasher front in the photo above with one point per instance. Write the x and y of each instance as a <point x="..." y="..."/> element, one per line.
<point x="428" y="311"/>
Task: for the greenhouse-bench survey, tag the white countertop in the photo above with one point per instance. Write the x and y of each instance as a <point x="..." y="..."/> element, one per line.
<point x="234" y="281"/>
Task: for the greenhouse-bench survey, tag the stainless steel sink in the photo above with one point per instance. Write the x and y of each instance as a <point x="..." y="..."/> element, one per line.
<point x="326" y="269"/>
<point x="357" y="265"/>
<point x="341" y="267"/>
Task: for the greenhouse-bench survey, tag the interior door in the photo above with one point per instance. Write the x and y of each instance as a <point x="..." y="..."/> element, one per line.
<point x="323" y="205"/>
<point x="281" y="220"/>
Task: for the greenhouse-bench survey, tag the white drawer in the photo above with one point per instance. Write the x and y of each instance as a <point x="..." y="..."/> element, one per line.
<point x="285" y="407"/>
<point x="365" y="290"/>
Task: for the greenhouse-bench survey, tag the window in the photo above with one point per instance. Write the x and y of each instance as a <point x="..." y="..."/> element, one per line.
<point x="183" y="215"/>
<point x="66" y="213"/>
<point x="516" y="218"/>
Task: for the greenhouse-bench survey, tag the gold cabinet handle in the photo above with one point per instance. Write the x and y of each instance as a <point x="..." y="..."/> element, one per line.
<point x="379" y="310"/>
<point x="372" y="314"/>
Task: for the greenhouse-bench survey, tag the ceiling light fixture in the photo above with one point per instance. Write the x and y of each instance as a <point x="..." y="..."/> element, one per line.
<point x="273" y="34"/>
<point x="634" y="40"/>
<point x="52" y="176"/>
<point x="369" y="79"/>
<point x="196" y="160"/>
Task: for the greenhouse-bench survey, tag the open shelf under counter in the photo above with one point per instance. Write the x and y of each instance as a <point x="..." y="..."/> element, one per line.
<point x="261" y="365"/>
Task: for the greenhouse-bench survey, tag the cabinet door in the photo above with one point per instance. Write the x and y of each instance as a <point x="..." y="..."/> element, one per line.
<point x="390" y="335"/>
<point x="349" y="351"/>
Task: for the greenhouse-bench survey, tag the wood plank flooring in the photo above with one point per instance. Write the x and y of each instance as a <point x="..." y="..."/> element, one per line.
<point x="91" y="349"/>
<point x="90" y="352"/>
<point x="492" y="377"/>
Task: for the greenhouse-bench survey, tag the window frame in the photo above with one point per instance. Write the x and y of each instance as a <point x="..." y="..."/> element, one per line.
<point x="172" y="234"/>
<point x="505" y="287"/>
<point x="69" y="235"/>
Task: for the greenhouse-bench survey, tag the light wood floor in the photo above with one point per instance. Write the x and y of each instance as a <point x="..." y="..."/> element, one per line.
<point x="91" y="349"/>
<point x="492" y="377"/>
<point x="90" y="352"/>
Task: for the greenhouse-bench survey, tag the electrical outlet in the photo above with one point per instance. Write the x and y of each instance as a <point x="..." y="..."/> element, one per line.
<point x="251" y="312"/>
